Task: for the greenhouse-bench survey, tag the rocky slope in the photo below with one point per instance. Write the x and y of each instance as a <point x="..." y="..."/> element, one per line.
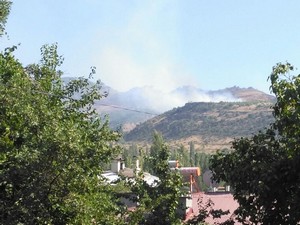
<point x="210" y="125"/>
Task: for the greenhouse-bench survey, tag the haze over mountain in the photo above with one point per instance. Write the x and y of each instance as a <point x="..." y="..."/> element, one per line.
<point x="156" y="101"/>
<point x="126" y="109"/>
<point x="148" y="101"/>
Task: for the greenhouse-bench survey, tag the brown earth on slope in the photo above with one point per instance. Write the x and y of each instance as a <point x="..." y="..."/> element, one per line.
<point x="211" y="126"/>
<point x="249" y="94"/>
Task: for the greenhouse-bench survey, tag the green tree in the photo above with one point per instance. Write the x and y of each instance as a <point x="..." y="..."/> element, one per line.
<point x="264" y="169"/>
<point x="158" y="202"/>
<point x="130" y="154"/>
<point x="202" y="161"/>
<point x="192" y="153"/>
<point x="52" y="142"/>
<point x="4" y="11"/>
<point x="182" y="156"/>
<point x="157" y="144"/>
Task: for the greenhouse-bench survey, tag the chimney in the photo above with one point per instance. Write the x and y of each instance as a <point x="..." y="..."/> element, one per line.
<point x="117" y="165"/>
<point x="137" y="166"/>
<point x="173" y="163"/>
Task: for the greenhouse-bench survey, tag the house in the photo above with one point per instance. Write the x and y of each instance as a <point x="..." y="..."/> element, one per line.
<point x="118" y="169"/>
<point x="189" y="203"/>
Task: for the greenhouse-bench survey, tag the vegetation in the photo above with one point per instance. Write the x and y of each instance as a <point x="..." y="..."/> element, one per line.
<point x="51" y="145"/>
<point x="4" y="12"/>
<point x="163" y="197"/>
<point x="158" y="202"/>
<point x="264" y="169"/>
<point x="180" y="153"/>
<point x="196" y="158"/>
<point x="53" y="142"/>
<point x="211" y="121"/>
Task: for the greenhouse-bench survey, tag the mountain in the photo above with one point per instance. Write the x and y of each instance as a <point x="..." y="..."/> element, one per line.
<point x="137" y="105"/>
<point x="248" y="94"/>
<point x="209" y="125"/>
<point x="125" y="109"/>
<point x="142" y="103"/>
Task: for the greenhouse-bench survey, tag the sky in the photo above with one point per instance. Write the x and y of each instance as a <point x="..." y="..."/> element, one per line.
<point x="209" y="44"/>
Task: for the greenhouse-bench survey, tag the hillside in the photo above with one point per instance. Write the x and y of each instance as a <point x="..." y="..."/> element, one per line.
<point x="210" y="125"/>
<point x="127" y="109"/>
<point x="248" y="94"/>
<point x="148" y="99"/>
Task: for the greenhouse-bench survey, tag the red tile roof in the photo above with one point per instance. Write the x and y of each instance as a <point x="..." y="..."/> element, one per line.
<point x="223" y="200"/>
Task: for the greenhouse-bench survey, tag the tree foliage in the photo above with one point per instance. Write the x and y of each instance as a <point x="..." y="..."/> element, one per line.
<point x="192" y="153"/>
<point x="264" y="169"/>
<point x="51" y="145"/>
<point x="4" y="11"/>
<point x="158" y="202"/>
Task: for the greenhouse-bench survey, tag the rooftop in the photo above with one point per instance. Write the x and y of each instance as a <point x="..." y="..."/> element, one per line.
<point x="222" y="200"/>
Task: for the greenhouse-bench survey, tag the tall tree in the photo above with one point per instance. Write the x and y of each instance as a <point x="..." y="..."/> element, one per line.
<point x="157" y="144"/>
<point x="264" y="169"/>
<point x="158" y="202"/>
<point x="192" y="153"/>
<point x="52" y="142"/>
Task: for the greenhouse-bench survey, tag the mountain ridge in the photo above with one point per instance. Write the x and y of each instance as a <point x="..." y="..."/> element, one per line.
<point x="148" y="99"/>
<point x="209" y="125"/>
<point x="128" y="109"/>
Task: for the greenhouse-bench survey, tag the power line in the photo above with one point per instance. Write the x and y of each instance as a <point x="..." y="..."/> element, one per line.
<point x="108" y="105"/>
<point x="128" y="109"/>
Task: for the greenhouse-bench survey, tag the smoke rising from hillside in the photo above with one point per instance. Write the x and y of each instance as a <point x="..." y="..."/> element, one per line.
<point x="149" y="98"/>
<point x="161" y="102"/>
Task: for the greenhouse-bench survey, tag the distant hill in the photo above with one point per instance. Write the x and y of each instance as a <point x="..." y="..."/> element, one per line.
<point x="210" y="125"/>
<point x="249" y="94"/>
<point x="154" y="102"/>
<point x="124" y="109"/>
<point x="127" y="109"/>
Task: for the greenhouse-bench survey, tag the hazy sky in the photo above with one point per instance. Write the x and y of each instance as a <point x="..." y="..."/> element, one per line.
<point x="211" y="44"/>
